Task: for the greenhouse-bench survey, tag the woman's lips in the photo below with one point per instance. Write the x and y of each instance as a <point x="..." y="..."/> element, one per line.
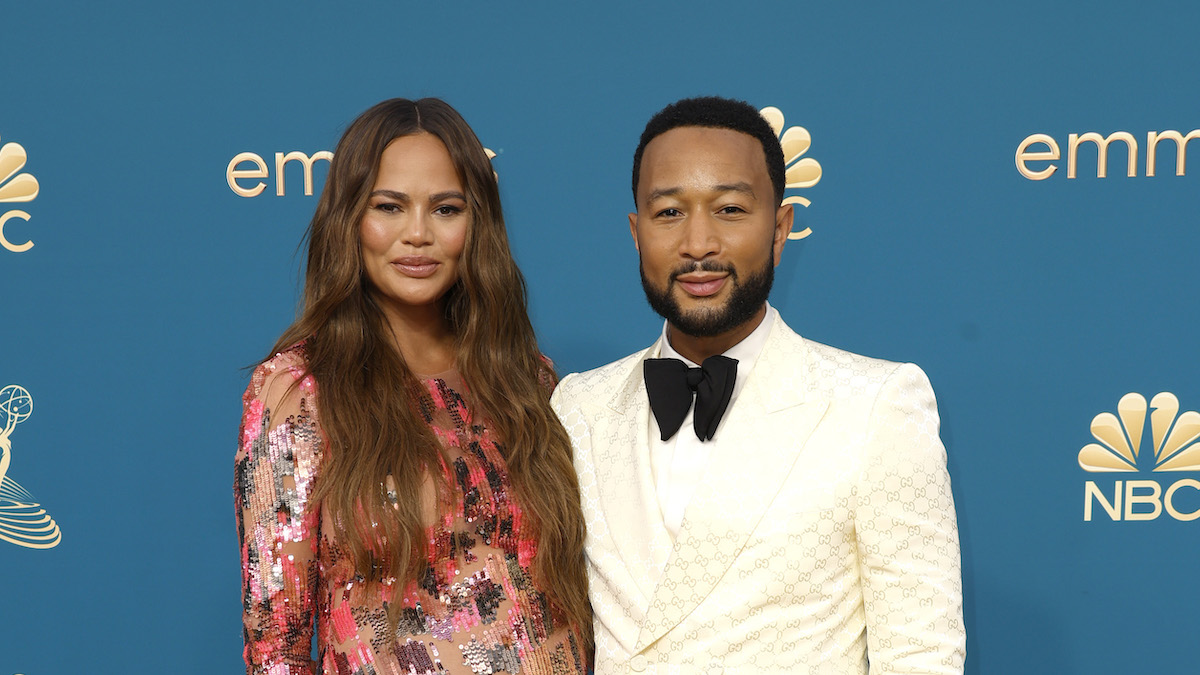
<point x="701" y="287"/>
<point x="417" y="267"/>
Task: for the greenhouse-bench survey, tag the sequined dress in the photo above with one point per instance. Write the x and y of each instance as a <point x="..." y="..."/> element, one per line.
<point x="475" y="611"/>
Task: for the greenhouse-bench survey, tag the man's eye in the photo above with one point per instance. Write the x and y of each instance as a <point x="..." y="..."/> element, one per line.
<point x="669" y="213"/>
<point x="733" y="209"/>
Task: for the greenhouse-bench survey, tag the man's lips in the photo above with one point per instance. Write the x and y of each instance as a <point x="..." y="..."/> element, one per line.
<point x="416" y="266"/>
<point x="701" y="285"/>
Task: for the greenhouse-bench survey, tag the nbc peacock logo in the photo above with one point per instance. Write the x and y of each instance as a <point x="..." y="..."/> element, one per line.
<point x="15" y="187"/>
<point x="802" y="172"/>
<point x="1122" y="450"/>
<point x="22" y="520"/>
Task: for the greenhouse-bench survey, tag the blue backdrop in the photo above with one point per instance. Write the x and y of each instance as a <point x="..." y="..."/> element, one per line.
<point x="1034" y="305"/>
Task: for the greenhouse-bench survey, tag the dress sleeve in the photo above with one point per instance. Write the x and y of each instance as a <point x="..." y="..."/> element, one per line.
<point x="908" y="536"/>
<point x="278" y="457"/>
<point x="546" y="375"/>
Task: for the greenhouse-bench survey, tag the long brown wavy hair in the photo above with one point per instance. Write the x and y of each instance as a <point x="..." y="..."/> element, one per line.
<point x="371" y="429"/>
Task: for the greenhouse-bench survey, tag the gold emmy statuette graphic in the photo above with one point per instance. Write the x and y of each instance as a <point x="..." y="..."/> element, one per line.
<point x="1120" y="436"/>
<point x="21" y="188"/>
<point x="22" y="521"/>
<point x="802" y="172"/>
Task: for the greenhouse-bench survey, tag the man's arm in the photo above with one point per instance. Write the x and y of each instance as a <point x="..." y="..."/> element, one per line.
<point x="908" y="536"/>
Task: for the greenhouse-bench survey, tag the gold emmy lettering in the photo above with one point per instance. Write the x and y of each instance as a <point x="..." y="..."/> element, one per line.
<point x="233" y="174"/>
<point x="1181" y="141"/>
<point x="281" y="161"/>
<point x="1024" y="155"/>
<point x="258" y="171"/>
<point x="1074" y="141"/>
<point x="1052" y="153"/>
<point x="15" y="248"/>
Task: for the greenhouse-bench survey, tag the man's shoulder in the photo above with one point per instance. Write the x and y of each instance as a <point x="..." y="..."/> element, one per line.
<point x="821" y="355"/>
<point x="838" y="373"/>
<point x="826" y="356"/>
<point x="591" y="383"/>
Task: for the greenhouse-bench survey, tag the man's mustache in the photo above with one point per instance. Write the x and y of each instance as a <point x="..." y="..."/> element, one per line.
<point x="704" y="266"/>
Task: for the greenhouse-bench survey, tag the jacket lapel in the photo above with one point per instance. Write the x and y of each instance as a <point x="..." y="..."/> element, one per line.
<point x="755" y="449"/>
<point x="621" y="455"/>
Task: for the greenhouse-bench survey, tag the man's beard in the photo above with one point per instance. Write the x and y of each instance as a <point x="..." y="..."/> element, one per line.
<point x="745" y="299"/>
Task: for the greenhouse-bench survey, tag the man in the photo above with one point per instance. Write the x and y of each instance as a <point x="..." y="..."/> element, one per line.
<point x="797" y="518"/>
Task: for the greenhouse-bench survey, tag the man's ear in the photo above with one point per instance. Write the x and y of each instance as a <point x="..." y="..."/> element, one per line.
<point x="784" y="218"/>
<point x="633" y="231"/>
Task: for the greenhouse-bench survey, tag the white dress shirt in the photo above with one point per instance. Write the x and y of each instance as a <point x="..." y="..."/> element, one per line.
<point x="678" y="463"/>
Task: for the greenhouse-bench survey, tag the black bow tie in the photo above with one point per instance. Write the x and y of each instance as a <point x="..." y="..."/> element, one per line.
<point x="670" y="383"/>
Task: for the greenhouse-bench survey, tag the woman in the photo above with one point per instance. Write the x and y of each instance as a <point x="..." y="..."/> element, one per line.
<point x="400" y="473"/>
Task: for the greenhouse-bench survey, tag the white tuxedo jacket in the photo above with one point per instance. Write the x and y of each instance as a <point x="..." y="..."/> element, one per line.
<point x="821" y="538"/>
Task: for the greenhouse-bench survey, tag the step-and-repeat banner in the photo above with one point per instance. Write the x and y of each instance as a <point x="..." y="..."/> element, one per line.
<point x="1000" y="194"/>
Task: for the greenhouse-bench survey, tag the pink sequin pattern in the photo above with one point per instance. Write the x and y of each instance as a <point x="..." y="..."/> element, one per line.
<point x="476" y="610"/>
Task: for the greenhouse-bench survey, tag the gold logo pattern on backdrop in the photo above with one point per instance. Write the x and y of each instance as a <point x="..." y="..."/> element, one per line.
<point x="802" y="172"/>
<point x="22" y="520"/>
<point x="1040" y="148"/>
<point x="14" y="188"/>
<point x="250" y="166"/>
<point x="1142" y="496"/>
<point x="1120" y="436"/>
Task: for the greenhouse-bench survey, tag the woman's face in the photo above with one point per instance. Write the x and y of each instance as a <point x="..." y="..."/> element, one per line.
<point x="415" y="225"/>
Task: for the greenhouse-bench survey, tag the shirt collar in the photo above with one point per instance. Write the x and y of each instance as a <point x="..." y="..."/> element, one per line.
<point x="746" y="352"/>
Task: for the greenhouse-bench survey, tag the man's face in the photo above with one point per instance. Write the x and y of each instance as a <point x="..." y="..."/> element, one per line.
<point x="707" y="229"/>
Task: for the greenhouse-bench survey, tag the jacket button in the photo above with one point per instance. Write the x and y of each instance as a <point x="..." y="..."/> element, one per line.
<point x="637" y="663"/>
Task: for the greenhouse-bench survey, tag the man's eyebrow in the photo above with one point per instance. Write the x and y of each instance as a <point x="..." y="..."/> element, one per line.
<point x="663" y="192"/>
<point x="741" y="187"/>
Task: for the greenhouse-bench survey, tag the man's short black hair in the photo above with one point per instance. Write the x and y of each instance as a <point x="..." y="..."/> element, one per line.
<point x="716" y="113"/>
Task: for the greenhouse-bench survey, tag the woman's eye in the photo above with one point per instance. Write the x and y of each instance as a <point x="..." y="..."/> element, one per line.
<point x="447" y="210"/>
<point x="388" y="207"/>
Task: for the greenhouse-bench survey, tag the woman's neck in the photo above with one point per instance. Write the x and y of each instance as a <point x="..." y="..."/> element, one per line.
<point x="423" y="337"/>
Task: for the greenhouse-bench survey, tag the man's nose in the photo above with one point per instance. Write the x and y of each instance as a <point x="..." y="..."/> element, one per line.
<point x="699" y="238"/>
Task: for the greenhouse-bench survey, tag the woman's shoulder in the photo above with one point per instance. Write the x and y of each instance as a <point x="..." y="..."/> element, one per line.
<point x="547" y="377"/>
<point x="285" y="375"/>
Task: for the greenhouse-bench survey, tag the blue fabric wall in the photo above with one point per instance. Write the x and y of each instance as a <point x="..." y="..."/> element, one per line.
<point x="1034" y="305"/>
